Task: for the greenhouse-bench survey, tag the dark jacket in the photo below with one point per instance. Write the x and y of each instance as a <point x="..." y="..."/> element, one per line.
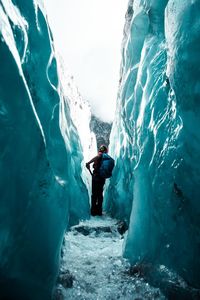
<point x="96" y="163"/>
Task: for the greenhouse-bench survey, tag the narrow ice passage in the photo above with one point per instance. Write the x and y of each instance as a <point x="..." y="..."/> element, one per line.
<point x="155" y="141"/>
<point x="92" y="256"/>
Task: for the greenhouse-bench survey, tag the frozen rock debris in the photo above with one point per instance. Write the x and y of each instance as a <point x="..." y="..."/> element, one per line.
<point x="92" y="257"/>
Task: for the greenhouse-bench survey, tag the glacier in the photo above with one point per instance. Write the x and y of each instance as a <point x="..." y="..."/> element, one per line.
<point x="45" y="137"/>
<point x="155" y="138"/>
<point x="41" y="155"/>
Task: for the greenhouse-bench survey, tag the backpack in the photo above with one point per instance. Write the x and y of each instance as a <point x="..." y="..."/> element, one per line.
<point x="107" y="165"/>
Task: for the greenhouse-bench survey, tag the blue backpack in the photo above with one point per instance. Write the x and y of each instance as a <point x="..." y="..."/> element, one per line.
<point x="107" y="165"/>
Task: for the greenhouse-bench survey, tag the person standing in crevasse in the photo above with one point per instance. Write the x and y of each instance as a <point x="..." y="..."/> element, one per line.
<point x="102" y="169"/>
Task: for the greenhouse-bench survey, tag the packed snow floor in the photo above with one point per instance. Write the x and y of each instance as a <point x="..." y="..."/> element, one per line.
<point x="92" y="266"/>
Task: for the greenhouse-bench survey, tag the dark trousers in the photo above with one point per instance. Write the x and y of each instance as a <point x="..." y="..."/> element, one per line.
<point x="97" y="195"/>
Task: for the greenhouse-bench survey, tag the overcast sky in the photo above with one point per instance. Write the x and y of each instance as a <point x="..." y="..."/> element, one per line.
<point x="88" y="34"/>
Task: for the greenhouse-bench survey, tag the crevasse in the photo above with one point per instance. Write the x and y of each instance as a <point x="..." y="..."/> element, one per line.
<point x="154" y="140"/>
<point x="155" y="137"/>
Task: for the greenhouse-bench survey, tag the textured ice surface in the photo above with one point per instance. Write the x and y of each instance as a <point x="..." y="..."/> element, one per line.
<point x="156" y="139"/>
<point x="92" y="254"/>
<point x="41" y="155"/>
<point x="80" y="112"/>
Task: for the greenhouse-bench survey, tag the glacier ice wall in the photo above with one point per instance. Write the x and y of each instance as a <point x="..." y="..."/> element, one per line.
<point x="80" y="112"/>
<point x="41" y="155"/>
<point x="155" y="137"/>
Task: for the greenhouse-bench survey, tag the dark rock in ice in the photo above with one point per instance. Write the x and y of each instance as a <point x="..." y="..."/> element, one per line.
<point x="140" y="270"/>
<point x="107" y="229"/>
<point x="122" y="227"/>
<point x="83" y="230"/>
<point x="58" y="294"/>
<point x="66" y="279"/>
<point x="86" y="230"/>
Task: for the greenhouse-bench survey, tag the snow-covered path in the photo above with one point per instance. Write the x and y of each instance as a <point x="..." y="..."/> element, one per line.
<point x="92" y="256"/>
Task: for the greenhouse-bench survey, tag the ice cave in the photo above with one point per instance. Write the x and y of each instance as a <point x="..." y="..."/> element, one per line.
<point x="46" y="231"/>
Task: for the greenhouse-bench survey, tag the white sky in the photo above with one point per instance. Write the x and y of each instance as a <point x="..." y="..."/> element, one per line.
<point x="88" y="34"/>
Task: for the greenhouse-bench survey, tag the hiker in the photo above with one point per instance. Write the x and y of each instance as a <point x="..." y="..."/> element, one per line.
<point x="102" y="168"/>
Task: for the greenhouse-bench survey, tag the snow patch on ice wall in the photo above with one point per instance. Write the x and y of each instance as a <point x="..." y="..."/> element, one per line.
<point x="41" y="155"/>
<point x="80" y="112"/>
<point x="155" y="137"/>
